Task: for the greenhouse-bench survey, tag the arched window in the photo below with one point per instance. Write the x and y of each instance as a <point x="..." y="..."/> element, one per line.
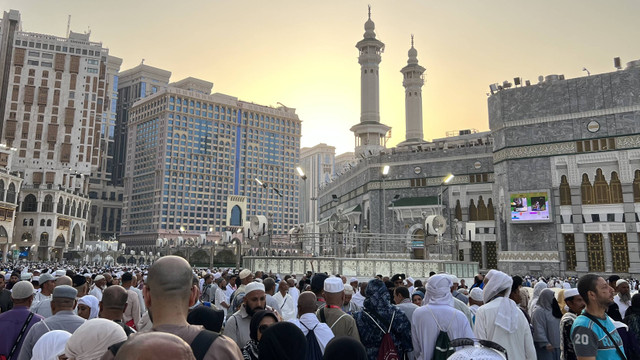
<point x="3" y="235"/>
<point x="30" y="204"/>
<point x="66" y="207"/>
<point x="236" y="216"/>
<point x="60" y="207"/>
<point x="491" y="212"/>
<point x="482" y="210"/>
<point x="44" y="239"/>
<point x="586" y="191"/>
<point x="458" y="210"/>
<point x="86" y="209"/>
<point x="47" y="205"/>
<point x="30" y="222"/>
<point x="565" y="191"/>
<point x="73" y="209"/>
<point x="25" y="222"/>
<point x="473" y="211"/>
<point x="601" y="189"/>
<point x="11" y="194"/>
<point x="615" y="188"/>
<point x="49" y="222"/>
<point x="26" y="236"/>
<point x="1" y="190"/>
<point x="43" y="222"/>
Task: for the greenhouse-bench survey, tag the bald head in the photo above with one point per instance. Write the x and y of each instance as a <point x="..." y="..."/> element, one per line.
<point x="170" y="277"/>
<point x="307" y="303"/>
<point x="155" y="345"/>
<point x="64" y="280"/>
<point x="114" y="298"/>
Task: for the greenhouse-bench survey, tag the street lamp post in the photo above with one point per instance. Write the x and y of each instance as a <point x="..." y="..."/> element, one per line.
<point x="442" y="188"/>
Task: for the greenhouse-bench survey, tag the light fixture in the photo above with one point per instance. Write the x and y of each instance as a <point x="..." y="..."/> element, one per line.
<point x="301" y="173"/>
<point x="385" y="170"/>
<point x="210" y="229"/>
<point x="448" y="178"/>
<point x="182" y="228"/>
<point x="261" y="183"/>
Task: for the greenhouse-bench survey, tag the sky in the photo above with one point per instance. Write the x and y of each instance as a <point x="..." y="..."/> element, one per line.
<point x="302" y="53"/>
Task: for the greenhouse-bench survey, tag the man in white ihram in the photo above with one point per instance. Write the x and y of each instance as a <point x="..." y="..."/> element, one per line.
<point x="501" y="321"/>
<point x="439" y="314"/>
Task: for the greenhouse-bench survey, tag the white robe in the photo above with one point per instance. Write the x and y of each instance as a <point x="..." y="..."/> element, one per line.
<point x="621" y="305"/>
<point x="295" y="293"/>
<point x="519" y="344"/>
<point x="424" y="330"/>
<point x="286" y="307"/>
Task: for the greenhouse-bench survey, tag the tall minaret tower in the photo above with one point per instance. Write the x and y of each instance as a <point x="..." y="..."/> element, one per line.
<point x="369" y="133"/>
<point x="413" y="81"/>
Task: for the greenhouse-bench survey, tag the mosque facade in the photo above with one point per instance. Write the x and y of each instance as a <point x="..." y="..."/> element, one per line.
<point x="553" y="188"/>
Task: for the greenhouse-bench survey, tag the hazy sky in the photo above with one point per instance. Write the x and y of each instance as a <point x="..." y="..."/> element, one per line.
<point x="302" y="53"/>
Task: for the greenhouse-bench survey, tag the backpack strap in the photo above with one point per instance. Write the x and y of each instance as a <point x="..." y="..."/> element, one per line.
<point x="335" y="322"/>
<point x="202" y="343"/>
<point x="322" y="317"/>
<point x="115" y="347"/>
<point x="22" y="331"/>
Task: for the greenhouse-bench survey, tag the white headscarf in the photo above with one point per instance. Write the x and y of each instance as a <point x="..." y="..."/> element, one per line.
<point x="507" y="317"/>
<point x="541" y="285"/>
<point x="92" y="339"/>
<point x="93" y="303"/>
<point x="50" y="345"/>
<point x="439" y="290"/>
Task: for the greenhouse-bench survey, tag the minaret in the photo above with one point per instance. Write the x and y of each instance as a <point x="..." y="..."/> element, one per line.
<point x="369" y="133"/>
<point x="412" y="83"/>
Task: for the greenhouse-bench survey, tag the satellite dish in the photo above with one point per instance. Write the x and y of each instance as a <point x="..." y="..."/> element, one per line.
<point x="258" y="224"/>
<point x="436" y="224"/>
<point x="338" y="223"/>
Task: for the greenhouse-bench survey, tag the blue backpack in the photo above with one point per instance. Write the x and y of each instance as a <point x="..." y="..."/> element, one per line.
<point x="313" y="347"/>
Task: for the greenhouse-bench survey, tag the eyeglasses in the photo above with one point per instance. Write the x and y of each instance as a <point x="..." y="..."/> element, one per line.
<point x="462" y="342"/>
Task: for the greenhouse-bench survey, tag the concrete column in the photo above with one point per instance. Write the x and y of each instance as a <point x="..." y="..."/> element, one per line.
<point x="632" y="248"/>
<point x="48" y="254"/>
<point x="582" y="263"/>
<point x="608" y="256"/>
<point x="5" y="248"/>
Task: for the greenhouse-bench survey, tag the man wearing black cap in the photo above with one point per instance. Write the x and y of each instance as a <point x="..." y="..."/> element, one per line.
<point x="62" y="304"/>
<point x="132" y="312"/>
<point x="80" y="284"/>
<point x="614" y="310"/>
<point x="317" y="287"/>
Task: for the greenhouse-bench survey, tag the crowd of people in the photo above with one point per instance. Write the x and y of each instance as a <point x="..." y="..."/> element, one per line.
<point x="171" y="310"/>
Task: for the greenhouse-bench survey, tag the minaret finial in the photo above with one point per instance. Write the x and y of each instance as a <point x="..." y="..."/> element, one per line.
<point x="411" y="40"/>
<point x="369" y="12"/>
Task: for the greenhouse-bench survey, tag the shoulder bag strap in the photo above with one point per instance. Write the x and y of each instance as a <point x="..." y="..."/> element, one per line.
<point x="202" y="343"/>
<point x="375" y="322"/>
<point x="595" y="320"/>
<point x="322" y="317"/>
<point x="335" y="322"/>
<point x="284" y="302"/>
<point x="22" y="331"/>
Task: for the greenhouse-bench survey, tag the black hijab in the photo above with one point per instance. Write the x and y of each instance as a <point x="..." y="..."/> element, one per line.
<point x="345" y="348"/>
<point x="206" y="316"/>
<point x="282" y="341"/>
<point x="255" y="322"/>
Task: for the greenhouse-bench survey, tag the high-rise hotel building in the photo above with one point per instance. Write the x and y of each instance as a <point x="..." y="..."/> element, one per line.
<point x="192" y="163"/>
<point x="56" y="97"/>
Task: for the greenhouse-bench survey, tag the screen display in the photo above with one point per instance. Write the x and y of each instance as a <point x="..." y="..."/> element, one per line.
<point x="530" y="206"/>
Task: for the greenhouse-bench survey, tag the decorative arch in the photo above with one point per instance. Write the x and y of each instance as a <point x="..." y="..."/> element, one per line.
<point x="236" y="216"/>
<point x="636" y="186"/>
<point x="67" y="205"/>
<point x="73" y="209"/>
<point x="60" y="241"/>
<point x="26" y="236"/>
<point x="458" y="211"/>
<point x="473" y="211"/>
<point x="586" y="191"/>
<point x="47" y="204"/>
<point x="482" y="209"/>
<point x="615" y="189"/>
<point x="491" y="212"/>
<point x="44" y="239"/>
<point x="601" y="189"/>
<point x="30" y="203"/>
<point x="565" y="191"/>
<point x="11" y="193"/>
<point x="3" y="235"/>
<point x="1" y="190"/>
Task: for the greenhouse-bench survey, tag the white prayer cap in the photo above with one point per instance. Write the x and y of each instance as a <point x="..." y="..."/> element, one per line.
<point x="353" y="279"/>
<point x="254" y="286"/>
<point x="348" y="289"/>
<point x="411" y="279"/>
<point x="570" y="293"/>
<point x="217" y="275"/>
<point x="26" y="276"/>
<point x="98" y="278"/>
<point x="454" y="279"/>
<point x="476" y="294"/>
<point x="621" y="281"/>
<point x="244" y="273"/>
<point x="60" y="273"/>
<point x="476" y="353"/>
<point x="333" y="285"/>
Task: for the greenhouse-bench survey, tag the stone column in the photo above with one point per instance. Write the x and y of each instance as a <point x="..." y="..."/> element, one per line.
<point x="5" y="248"/>
<point x="48" y="254"/>
<point x="632" y="248"/>
<point x="608" y="256"/>
<point x="582" y="262"/>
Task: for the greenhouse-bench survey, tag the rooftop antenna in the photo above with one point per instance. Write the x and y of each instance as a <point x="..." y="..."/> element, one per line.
<point x="68" y="25"/>
<point x="588" y="72"/>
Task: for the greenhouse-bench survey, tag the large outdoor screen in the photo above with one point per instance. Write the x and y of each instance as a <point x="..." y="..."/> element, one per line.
<point x="532" y="206"/>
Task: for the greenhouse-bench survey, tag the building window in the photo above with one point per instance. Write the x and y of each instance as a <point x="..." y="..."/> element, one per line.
<point x="595" y="252"/>
<point x="636" y="187"/>
<point x="473" y="211"/>
<point x="601" y="189"/>
<point x="615" y="188"/>
<point x="570" y="251"/>
<point x="586" y="191"/>
<point x="565" y="191"/>
<point x="619" y="252"/>
<point x="476" y="253"/>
